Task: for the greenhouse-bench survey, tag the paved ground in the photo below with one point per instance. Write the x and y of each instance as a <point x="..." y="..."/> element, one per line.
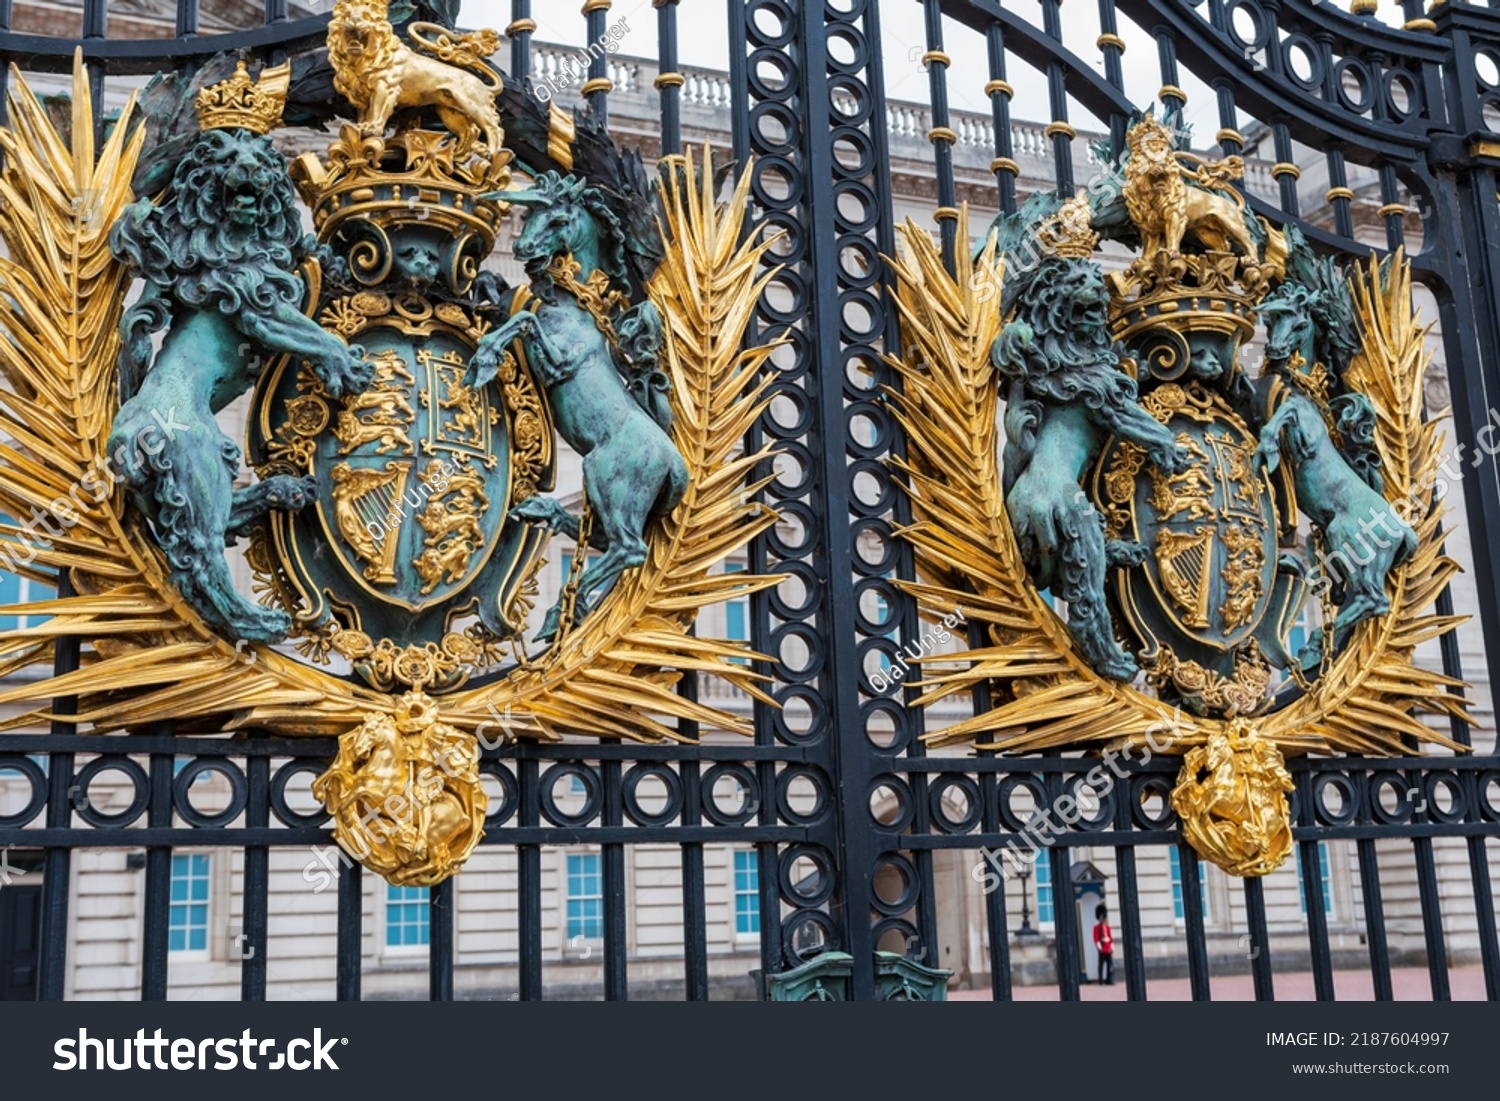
<point x="1466" y="984"/>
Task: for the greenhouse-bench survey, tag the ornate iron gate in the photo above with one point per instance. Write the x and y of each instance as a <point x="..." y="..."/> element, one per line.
<point x="1419" y="106"/>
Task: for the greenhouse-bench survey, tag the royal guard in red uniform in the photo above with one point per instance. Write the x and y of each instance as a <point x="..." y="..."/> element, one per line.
<point x="1104" y="940"/>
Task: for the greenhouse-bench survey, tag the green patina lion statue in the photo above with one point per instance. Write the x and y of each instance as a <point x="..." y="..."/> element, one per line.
<point x="1066" y="392"/>
<point x="219" y="257"/>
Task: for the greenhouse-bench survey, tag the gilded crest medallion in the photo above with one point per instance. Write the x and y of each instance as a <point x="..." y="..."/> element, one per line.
<point x="408" y="409"/>
<point x="1245" y="556"/>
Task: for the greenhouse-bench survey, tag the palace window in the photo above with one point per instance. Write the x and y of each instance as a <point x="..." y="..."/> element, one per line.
<point x="15" y="589"/>
<point x="585" y="896"/>
<point x="1044" y="913"/>
<point x="746" y="892"/>
<point x="1178" y="910"/>
<point x="187" y="920"/>
<point x="407" y="916"/>
<point x="1326" y="883"/>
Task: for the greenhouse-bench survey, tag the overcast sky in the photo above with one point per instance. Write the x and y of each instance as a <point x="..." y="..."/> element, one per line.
<point x="703" y="41"/>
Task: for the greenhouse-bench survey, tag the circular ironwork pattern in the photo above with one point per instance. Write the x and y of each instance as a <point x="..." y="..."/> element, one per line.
<point x="1351" y="70"/>
<point x="958" y="791"/>
<point x="592" y="793"/>
<point x="798" y="783"/>
<point x="1011" y="817"/>
<point x="140" y="796"/>
<point x="749" y="787"/>
<point x="1311" y="60"/>
<point x="1488" y="800"/>
<point x="884" y="620"/>
<point x="796" y="700"/>
<point x="806" y="889"/>
<point x="636" y="810"/>
<point x="1436" y="785"/>
<point x="36" y="780"/>
<point x="182" y="784"/>
<point x="503" y="809"/>
<point x="1399" y="791"/>
<point x="891" y="805"/>
<point x="279" y="805"/>
<point x="1144" y="789"/>
<point x="790" y="630"/>
<point x="807" y="933"/>
<point x="897" y="892"/>
<point x="1336" y="800"/>
<point x="1096" y="812"/>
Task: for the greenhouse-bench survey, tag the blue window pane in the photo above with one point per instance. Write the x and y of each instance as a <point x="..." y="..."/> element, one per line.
<point x="1176" y="862"/>
<point x="15" y="589"/>
<point x="736" y="612"/>
<point x="1044" y="914"/>
<point x="407" y="917"/>
<point x="737" y="619"/>
<point x="746" y="893"/>
<point x="187" y="917"/>
<point x="585" y="918"/>
<point x="1177" y="905"/>
<point x="1324" y="881"/>
<point x="585" y="902"/>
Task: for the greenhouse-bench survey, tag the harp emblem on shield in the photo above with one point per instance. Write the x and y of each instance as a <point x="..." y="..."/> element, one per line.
<point x="366" y="510"/>
<point x="1184" y="558"/>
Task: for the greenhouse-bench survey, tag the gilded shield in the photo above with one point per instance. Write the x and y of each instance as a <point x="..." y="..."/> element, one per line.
<point x="1206" y="580"/>
<point x="414" y="477"/>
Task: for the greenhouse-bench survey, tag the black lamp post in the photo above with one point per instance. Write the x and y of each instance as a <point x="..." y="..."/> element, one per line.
<point x="1026" y="930"/>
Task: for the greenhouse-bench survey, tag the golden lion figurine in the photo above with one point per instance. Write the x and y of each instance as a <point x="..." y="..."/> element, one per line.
<point x="1166" y="209"/>
<point x="378" y="73"/>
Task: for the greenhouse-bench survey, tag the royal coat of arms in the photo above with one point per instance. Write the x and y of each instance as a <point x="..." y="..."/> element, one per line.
<point x="1228" y="565"/>
<point x="407" y="410"/>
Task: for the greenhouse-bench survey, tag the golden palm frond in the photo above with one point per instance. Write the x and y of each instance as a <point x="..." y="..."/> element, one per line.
<point x="621" y="666"/>
<point x="966" y="553"/>
<point x="61" y="295"/>
<point x="1046" y="696"/>
<point x="147" y="655"/>
<point x="1374" y="691"/>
